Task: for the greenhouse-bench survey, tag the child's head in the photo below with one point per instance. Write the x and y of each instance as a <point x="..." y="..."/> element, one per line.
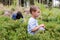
<point x="34" y="10"/>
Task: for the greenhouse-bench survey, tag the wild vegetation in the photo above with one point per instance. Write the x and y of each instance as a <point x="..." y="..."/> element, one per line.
<point x="17" y="29"/>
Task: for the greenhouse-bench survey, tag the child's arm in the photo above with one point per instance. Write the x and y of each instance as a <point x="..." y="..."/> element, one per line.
<point x="36" y="28"/>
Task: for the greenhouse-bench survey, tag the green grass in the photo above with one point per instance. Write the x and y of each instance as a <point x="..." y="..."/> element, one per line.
<point x="17" y="30"/>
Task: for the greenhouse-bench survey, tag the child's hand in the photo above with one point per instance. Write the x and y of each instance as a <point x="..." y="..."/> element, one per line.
<point x="42" y="25"/>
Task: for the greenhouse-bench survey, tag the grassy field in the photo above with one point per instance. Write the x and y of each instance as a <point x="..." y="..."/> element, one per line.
<point x="17" y="30"/>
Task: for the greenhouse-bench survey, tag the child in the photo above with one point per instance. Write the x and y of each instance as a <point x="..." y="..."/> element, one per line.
<point x="33" y="26"/>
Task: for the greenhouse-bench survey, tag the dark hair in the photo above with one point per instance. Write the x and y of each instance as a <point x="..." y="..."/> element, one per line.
<point x="33" y="8"/>
<point x="19" y="15"/>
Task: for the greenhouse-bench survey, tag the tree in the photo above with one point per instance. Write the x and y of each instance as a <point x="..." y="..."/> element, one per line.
<point x="32" y="2"/>
<point x="6" y="2"/>
<point x="59" y="3"/>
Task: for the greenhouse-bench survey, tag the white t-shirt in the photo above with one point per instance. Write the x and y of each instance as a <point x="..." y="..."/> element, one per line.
<point x="32" y="23"/>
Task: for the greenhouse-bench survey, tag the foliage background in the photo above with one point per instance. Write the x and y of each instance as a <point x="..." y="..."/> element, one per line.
<point x="17" y="29"/>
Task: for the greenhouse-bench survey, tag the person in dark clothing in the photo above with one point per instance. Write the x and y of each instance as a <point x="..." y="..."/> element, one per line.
<point x="17" y="15"/>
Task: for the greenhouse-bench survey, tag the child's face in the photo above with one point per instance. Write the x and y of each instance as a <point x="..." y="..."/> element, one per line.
<point x="36" y="13"/>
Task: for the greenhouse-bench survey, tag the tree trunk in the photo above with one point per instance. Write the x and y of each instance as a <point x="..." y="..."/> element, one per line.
<point x="32" y="2"/>
<point x="17" y="2"/>
<point x="59" y="3"/>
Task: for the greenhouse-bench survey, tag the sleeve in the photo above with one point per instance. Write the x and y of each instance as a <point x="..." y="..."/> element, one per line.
<point x="32" y="25"/>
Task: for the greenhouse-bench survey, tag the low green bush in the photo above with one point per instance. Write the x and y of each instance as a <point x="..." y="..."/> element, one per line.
<point x="17" y="30"/>
<point x="1" y="12"/>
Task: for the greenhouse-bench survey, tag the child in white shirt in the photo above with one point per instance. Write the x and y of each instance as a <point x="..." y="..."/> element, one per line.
<point x="33" y="26"/>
